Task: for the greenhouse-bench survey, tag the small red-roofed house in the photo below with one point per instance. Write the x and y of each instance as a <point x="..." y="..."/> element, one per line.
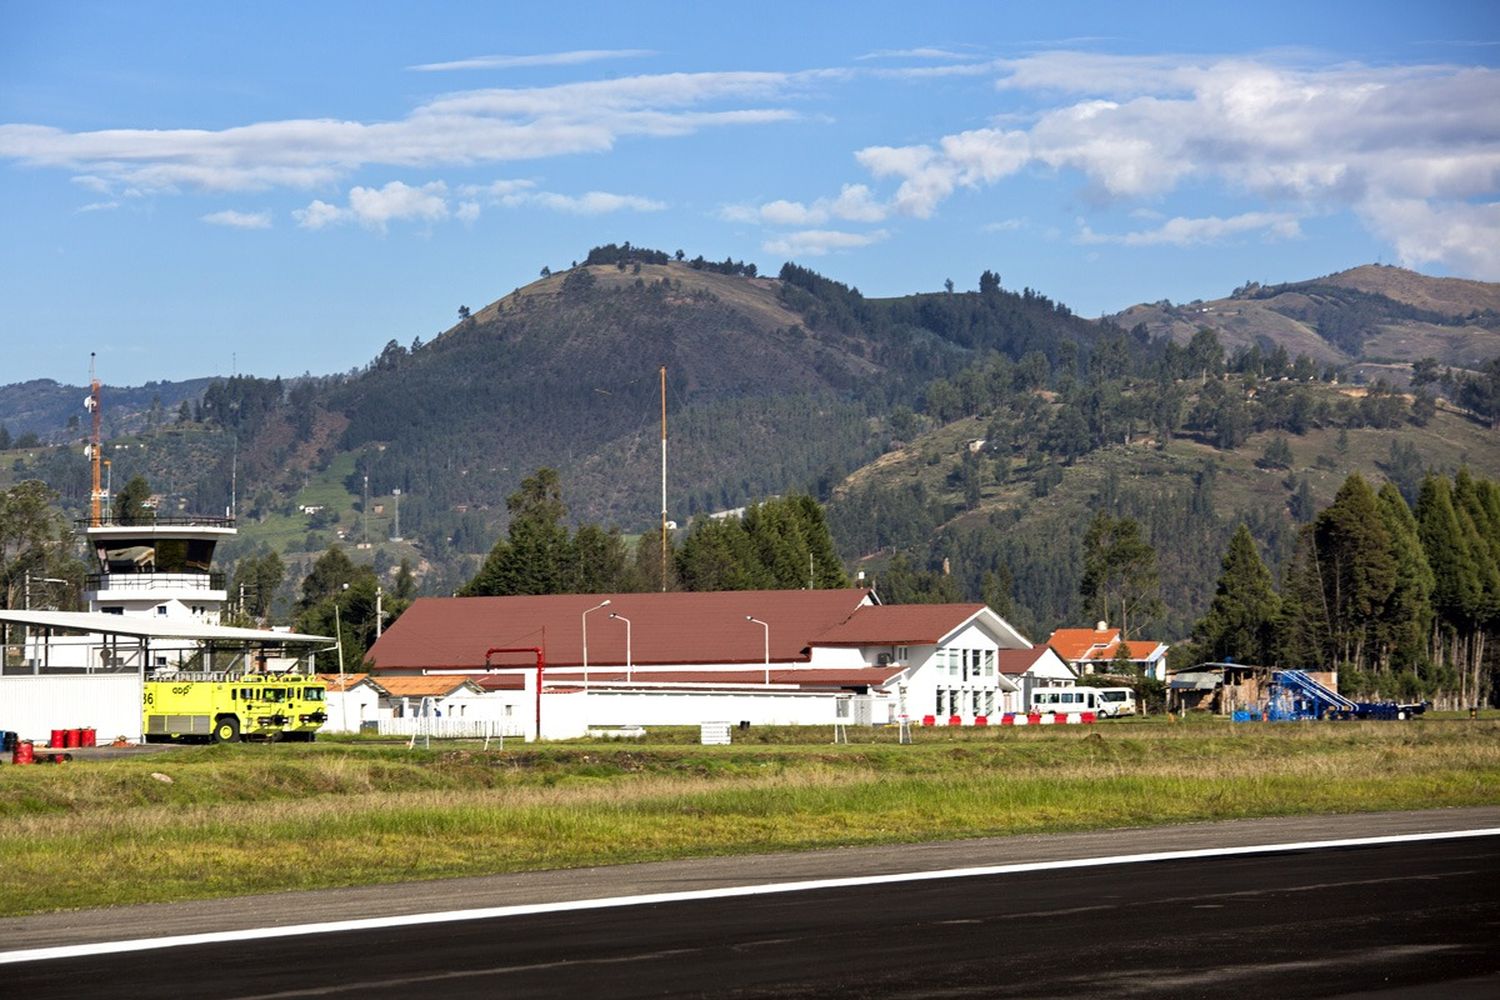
<point x="352" y="700"/>
<point x="1093" y="650"/>
<point x="1034" y="667"/>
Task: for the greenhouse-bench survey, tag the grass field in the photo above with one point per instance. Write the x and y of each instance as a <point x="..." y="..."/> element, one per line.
<point x="252" y="819"/>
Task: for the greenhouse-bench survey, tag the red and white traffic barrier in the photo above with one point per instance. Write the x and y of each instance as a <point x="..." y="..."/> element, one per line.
<point x="1047" y="719"/>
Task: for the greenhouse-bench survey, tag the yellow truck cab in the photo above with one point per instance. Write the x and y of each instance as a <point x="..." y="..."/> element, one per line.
<point x="225" y="708"/>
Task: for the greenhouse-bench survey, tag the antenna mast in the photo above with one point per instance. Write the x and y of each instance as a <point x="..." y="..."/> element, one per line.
<point x="96" y="450"/>
<point x="663" y="478"/>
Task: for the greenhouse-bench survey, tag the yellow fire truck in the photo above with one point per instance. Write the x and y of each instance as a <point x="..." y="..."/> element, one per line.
<point x="225" y="708"/>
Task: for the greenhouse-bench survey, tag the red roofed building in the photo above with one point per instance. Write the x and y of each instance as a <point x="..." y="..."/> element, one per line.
<point x="1092" y="650"/>
<point x="768" y="656"/>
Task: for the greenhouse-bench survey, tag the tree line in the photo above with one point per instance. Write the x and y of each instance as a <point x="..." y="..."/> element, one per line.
<point x="1403" y="601"/>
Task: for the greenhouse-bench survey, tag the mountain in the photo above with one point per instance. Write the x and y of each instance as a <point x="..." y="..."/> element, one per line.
<point x="47" y="408"/>
<point x="962" y="416"/>
<point x="990" y="511"/>
<point x="1374" y="319"/>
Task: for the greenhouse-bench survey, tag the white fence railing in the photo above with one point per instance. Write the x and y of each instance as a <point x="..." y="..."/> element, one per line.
<point x="448" y="729"/>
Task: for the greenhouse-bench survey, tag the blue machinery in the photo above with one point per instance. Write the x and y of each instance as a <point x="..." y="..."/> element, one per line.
<point x="1295" y="695"/>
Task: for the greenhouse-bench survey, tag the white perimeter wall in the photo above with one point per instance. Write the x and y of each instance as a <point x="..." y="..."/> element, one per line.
<point x="691" y="708"/>
<point x="110" y="704"/>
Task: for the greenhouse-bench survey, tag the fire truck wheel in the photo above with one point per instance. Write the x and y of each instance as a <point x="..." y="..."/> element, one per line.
<point x="227" y="730"/>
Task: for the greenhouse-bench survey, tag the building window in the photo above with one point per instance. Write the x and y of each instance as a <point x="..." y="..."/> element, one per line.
<point x="161" y="610"/>
<point x="902" y="653"/>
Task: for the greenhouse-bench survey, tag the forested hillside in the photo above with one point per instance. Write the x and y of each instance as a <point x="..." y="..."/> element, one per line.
<point x="1368" y="317"/>
<point x="994" y="422"/>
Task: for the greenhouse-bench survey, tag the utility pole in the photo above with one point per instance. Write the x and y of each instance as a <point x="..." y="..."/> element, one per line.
<point x="663" y="479"/>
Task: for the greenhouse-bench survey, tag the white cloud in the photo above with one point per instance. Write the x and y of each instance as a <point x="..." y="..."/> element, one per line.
<point x="594" y="203"/>
<point x="855" y="203"/>
<point x="97" y="206"/>
<point x="1183" y="232"/>
<point x="817" y="242"/>
<point x="574" y="58"/>
<point x="923" y="52"/>
<point x="1005" y="226"/>
<point x="376" y="208"/>
<point x="495" y="190"/>
<point x="1461" y="235"/>
<point x="317" y="215"/>
<point x="459" y="129"/>
<point x="1401" y="146"/>
<point x="238" y="220"/>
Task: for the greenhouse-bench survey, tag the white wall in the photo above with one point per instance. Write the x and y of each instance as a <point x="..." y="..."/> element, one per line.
<point x="936" y="674"/>
<point x="347" y="709"/>
<point x="691" y="708"/>
<point x="110" y="704"/>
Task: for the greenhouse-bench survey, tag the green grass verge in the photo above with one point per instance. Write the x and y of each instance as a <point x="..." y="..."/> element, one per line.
<point x="255" y="819"/>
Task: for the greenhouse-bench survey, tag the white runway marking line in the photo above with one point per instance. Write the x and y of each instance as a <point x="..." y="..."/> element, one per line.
<point x="728" y="892"/>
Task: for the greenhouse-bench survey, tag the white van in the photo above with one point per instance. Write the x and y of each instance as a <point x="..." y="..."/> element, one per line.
<point x="1116" y="702"/>
<point x="1067" y="699"/>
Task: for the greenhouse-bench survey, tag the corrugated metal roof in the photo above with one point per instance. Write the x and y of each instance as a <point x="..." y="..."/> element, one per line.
<point x="898" y="625"/>
<point x="425" y="686"/>
<point x="141" y="627"/>
<point x="672" y="628"/>
<point x="346" y="682"/>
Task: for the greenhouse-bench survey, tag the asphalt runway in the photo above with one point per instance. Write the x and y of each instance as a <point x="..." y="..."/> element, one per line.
<point x="1403" y="919"/>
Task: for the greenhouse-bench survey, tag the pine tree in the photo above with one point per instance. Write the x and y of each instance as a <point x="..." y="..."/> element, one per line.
<point x="1407" y="615"/>
<point x="1240" y="624"/>
<point x="1457" y="590"/>
<point x="1356" y="567"/>
<point x="1304" y="626"/>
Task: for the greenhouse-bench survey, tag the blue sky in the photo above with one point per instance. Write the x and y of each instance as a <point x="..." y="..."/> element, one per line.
<point x="276" y="188"/>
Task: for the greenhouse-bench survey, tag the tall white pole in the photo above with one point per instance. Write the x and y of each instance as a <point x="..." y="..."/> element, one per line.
<point x="627" y="644"/>
<point x="585" y="619"/>
<point x="663" y="477"/>
<point x="338" y="631"/>
<point x="767" y="630"/>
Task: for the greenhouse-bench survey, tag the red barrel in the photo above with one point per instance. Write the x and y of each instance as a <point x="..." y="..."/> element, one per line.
<point x="928" y="720"/>
<point x="981" y="720"/>
<point x="23" y="753"/>
<point x="72" y="738"/>
<point x="59" y="738"/>
<point x="87" y="738"/>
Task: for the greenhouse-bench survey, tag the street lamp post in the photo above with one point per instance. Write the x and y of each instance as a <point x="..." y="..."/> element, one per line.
<point x="627" y="643"/>
<point x="767" y="629"/>
<point x="585" y="619"/>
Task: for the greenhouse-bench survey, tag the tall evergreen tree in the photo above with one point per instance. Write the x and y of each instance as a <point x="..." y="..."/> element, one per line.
<point x="1241" y="622"/>
<point x="1356" y="567"/>
<point x="1457" y="590"/>
<point x="1407" y="615"/>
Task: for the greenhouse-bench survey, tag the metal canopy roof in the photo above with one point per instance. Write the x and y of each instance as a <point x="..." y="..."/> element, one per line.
<point x="154" y="628"/>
